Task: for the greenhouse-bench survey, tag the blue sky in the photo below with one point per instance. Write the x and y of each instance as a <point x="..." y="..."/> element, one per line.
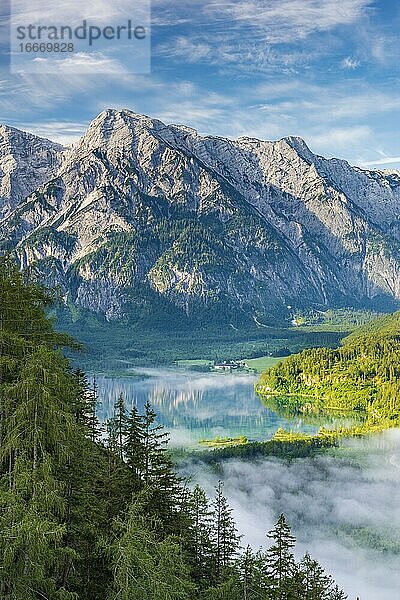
<point x="325" y="70"/>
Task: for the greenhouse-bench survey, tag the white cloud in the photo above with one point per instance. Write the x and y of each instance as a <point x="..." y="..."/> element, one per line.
<point x="72" y="12"/>
<point x="251" y="34"/>
<point x="85" y="63"/>
<point x="350" y="63"/>
<point x="341" y="137"/>
<point x="326" y="103"/>
<point x="63" y="132"/>
<point x="389" y="160"/>
<point x="282" y="21"/>
<point x="184" y="47"/>
<point x="287" y="20"/>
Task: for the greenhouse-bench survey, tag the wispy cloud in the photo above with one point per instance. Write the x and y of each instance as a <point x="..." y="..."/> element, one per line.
<point x="289" y="20"/>
<point x="350" y="63"/>
<point x="63" y="132"/>
<point x="283" y="21"/>
<point x="74" y="11"/>
<point x="389" y="160"/>
<point x="82" y="63"/>
<point x="256" y="34"/>
<point x="340" y="137"/>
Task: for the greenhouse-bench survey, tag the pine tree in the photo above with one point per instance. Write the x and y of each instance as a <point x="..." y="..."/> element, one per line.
<point x="37" y="441"/>
<point x="252" y="579"/>
<point x="117" y="428"/>
<point x="338" y="594"/>
<point x="279" y="560"/>
<point x="85" y="405"/>
<point x="316" y="584"/>
<point x="92" y="402"/>
<point x="158" y="475"/>
<point x="224" y="534"/>
<point x="155" y="441"/>
<point x="134" y="448"/>
<point x="198" y="534"/>
<point x="112" y="443"/>
<point x="120" y="418"/>
<point x="144" y="567"/>
<point x="247" y="572"/>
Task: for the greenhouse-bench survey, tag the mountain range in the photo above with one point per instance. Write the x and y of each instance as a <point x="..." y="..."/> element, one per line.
<point x="139" y="215"/>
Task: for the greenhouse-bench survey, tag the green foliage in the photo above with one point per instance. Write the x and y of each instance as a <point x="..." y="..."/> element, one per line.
<point x="223" y="534"/>
<point x="144" y="567"/>
<point x="37" y="433"/>
<point x="158" y="335"/>
<point x="332" y="319"/>
<point x="362" y="376"/>
<point x="275" y="575"/>
<point x="83" y="516"/>
<point x="279" y="559"/>
<point x="219" y="441"/>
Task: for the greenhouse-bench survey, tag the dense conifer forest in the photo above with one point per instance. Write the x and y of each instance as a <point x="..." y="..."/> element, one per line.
<point x="96" y="512"/>
<point x="362" y="376"/>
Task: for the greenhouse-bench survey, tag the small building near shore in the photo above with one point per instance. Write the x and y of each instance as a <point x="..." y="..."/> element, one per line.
<point x="226" y="366"/>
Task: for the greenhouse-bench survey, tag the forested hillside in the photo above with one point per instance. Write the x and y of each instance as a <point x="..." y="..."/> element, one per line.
<point x="91" y="513"/>
<point x="362" y="375"/>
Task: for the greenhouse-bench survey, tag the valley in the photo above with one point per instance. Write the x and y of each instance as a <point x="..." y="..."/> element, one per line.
<point x="234" y="297"/>
<point x="200" y="300"/>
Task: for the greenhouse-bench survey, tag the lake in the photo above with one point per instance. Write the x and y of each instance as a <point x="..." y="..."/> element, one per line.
<point x="195" y="406"/>
<point x="342" y="504"/>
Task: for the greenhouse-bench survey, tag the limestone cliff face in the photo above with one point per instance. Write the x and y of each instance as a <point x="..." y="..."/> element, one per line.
<point x="26" y="161"/>
<point x="138" y="211"/>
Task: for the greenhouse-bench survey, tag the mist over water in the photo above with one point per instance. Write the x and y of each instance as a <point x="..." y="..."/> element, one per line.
<point x="194" y="406"/>
<point x="337" y="504"/>
<point x="343" y="505"/>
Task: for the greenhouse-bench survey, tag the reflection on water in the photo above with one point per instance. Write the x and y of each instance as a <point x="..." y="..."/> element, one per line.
<point x="195" y="406"/>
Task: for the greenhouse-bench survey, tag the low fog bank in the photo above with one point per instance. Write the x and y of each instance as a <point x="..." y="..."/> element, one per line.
<point x="336" y="504"/>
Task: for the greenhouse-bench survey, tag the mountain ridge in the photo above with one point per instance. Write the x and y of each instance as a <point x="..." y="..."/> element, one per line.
<point x="246" y="225"/>
<point x="26" y="162"/>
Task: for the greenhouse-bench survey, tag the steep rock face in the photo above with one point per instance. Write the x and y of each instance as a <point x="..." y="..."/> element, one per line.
<point x="139" y="211"/>
<point x="26" y="161"/>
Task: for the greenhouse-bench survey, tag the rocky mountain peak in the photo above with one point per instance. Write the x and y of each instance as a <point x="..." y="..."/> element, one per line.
<point x="300" y="146"/>
<point x="198" y="222"/>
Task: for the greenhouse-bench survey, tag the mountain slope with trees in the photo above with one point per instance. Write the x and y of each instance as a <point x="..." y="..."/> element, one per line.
<point x="143" y="218"/>
<point x="362" y="375"/>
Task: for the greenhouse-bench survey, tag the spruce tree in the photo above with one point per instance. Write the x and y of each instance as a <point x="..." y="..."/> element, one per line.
<point x="120" y="417"/>
<point x="37" y="441"/>
<point x="155" y="441"/>
<point x="144" y="567"/>
<point x="279" y="561"/>
<point x="338" y="594"/>
<point x="253" y="582"/>
<point x="224" y="534"/>
<point x="134" y="448"/>
<point x="92" y="402"/>
<point x="199" y="535"/>
<point x="158" y="475"/>
<point x="316" y="584"/>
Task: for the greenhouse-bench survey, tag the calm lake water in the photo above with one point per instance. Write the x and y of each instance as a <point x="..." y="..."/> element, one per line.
<point x="194" y="406"/>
